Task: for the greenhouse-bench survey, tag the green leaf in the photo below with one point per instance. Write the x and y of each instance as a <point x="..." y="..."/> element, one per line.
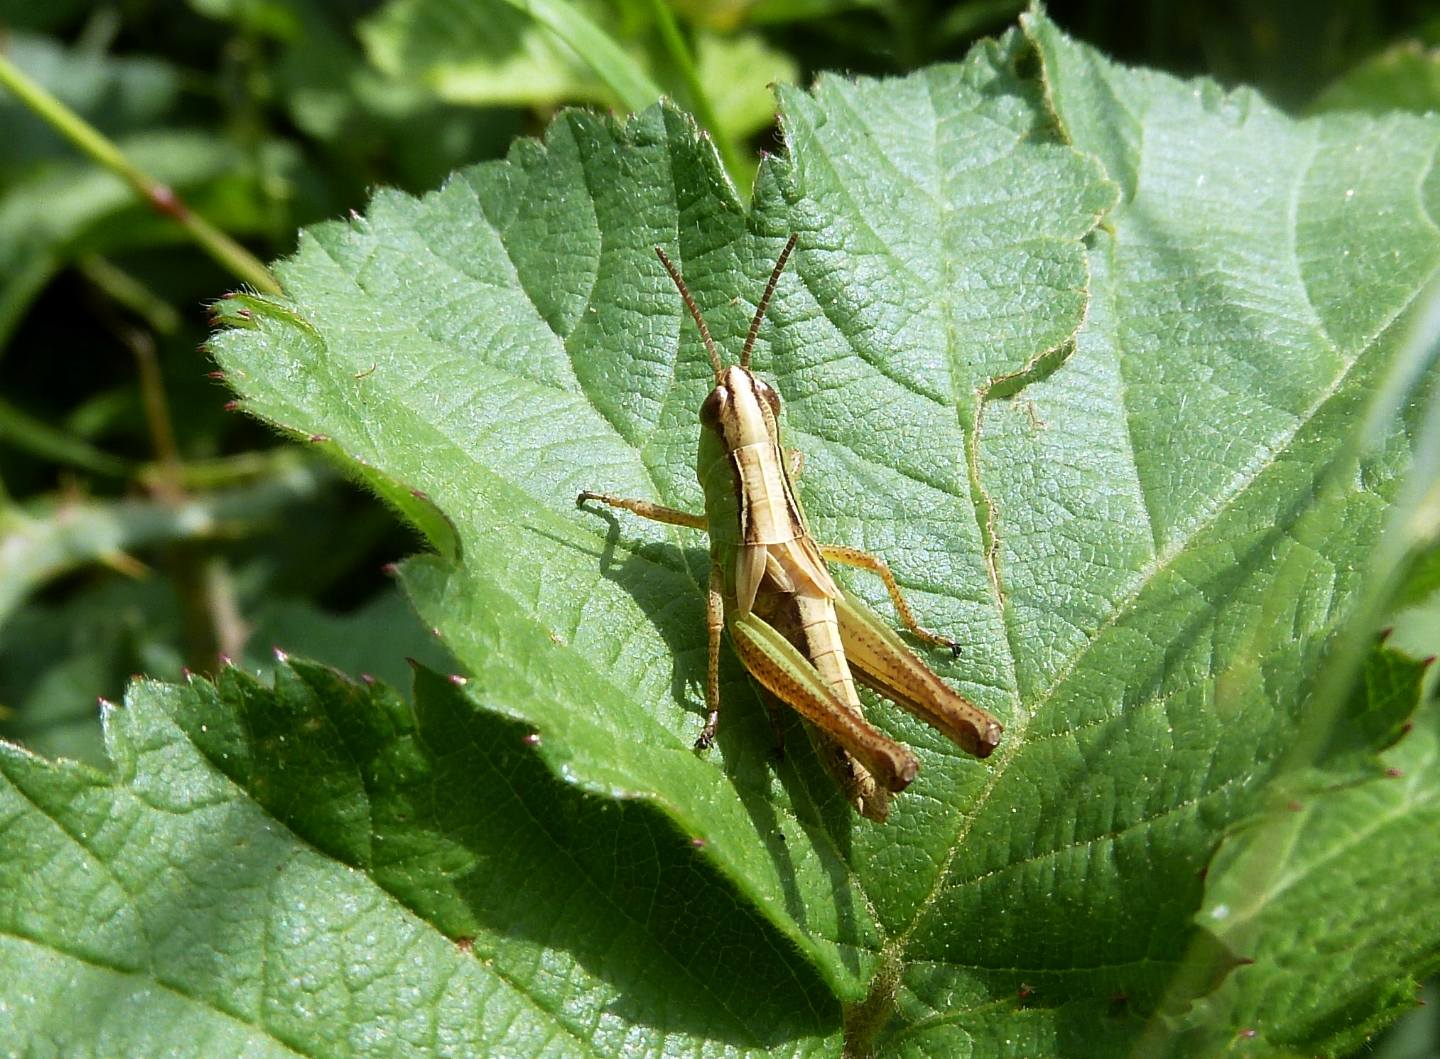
<point x="319" y="869"/>
<point x="506" y="51"/>
<point x="1343" y="849"/>
<point x="738" y="73"/>
<point x="485" y="53"/>
<point x="1073" y="347"/>
<point x="374" y="640"/>
<point x="379" y="128"/>
<point x="725" y="15"/>
<point x="49" y="538"/>
<point x="542" y="53"/>
<point x="1403" y="77"/>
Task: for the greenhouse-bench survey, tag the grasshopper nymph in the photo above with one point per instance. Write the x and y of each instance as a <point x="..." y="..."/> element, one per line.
<point x="802" y="637"/>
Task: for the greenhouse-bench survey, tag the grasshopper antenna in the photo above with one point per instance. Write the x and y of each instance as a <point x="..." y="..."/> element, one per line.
<point x="765" y="302"/>
<point x="715" y="361"/>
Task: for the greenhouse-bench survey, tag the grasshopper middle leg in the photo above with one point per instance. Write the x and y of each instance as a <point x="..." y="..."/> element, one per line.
<point x="714" y="627"/>
<point x="714" y="599"/>
<point x="838" y="553"/>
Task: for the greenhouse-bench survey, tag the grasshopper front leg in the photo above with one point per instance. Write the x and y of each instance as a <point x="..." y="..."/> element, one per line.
<point x="645" y="509"/>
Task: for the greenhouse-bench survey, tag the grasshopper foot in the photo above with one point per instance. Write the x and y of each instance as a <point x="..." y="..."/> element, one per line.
<point x="706" y="739"/>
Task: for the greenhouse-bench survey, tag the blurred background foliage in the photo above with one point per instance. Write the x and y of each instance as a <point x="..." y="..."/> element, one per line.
<point x="144" y="528"/>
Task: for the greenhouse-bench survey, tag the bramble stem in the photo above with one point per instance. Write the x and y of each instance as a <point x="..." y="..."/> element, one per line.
<point x="161" y="197"/>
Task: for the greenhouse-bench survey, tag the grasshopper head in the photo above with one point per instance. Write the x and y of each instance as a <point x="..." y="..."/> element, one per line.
<point x="743" y="409"/>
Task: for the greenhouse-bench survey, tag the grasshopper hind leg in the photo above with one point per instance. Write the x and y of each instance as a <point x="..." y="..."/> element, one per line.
<point x="866" y="796"/>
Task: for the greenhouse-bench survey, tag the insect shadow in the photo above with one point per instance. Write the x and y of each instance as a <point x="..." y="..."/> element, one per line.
<point x="757" y="744"/>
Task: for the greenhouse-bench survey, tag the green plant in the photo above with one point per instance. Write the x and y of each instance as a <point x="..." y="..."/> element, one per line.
<point x="1139" y="399"/>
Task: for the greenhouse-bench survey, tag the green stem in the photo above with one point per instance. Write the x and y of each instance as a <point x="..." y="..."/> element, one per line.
<point x="123" y="288"/>
<point x="679" y="50"/>
<point x="157" y="413"/>
<point x="161" y="197"/>
<point x="622" y="74"/>
<point x="33" y="434"/>
<point x="222" y="472"/>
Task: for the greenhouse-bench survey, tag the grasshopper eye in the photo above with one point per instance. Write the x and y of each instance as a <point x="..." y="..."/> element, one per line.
<point x="711" y="409"/>
<point x="772" y="398"/>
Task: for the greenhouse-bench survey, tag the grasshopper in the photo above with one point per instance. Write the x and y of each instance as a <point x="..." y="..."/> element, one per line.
<point x="804" y="639"/>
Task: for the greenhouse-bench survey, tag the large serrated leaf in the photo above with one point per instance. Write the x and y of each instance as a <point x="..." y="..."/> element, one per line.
<point x="1093" y="455"/>
<point x="315" y="869"/>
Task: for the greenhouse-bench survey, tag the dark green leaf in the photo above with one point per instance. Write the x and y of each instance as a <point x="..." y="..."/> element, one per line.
<point x="319" y="869"/>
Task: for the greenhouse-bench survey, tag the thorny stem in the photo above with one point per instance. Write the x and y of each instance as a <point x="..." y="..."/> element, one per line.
<point x="161" y="197"/>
